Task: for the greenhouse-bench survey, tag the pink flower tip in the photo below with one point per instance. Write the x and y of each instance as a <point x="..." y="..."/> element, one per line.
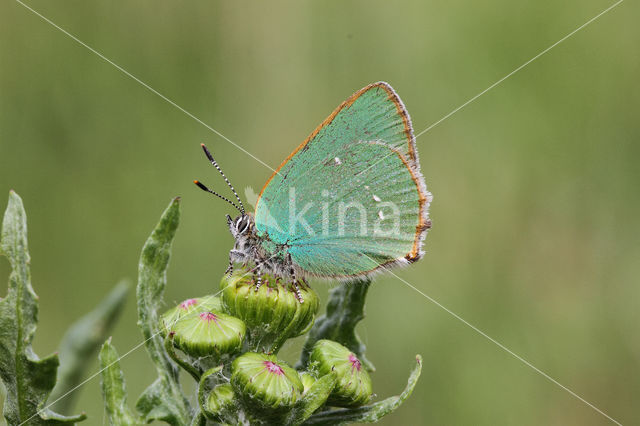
<point x="188" y="303"/>
<point x="272" y="367"/>
<point x="208" y="316"/>
<point x="355" y="362"/>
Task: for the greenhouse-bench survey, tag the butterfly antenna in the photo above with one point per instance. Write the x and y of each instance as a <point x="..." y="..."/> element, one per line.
<point x="210" y="157"/>
<point x="204" y="188"/>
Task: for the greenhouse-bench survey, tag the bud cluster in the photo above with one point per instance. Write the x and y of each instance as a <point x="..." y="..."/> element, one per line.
<point x="240" y="333"/>
<point x="273" y="313"/>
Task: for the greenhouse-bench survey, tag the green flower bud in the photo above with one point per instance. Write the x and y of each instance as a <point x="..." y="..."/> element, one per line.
<point x="208" y="333"/>
<point x="220" y="398"/>
<point x="221" y="403"/>
<point x="273" y="313"/>
<point x="202" y="304"/>
<point x="307" y="380"/>
<point x="354" y="384"/>
<point x="267" y="387"/>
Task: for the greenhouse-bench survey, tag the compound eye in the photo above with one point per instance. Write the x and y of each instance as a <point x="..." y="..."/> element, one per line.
<point x="242" y="225"/>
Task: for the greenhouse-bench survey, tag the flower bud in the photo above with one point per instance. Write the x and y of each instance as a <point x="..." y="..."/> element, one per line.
<point x="202" y="304"/>
<point x="221" y="403"/>
<point x="354" y="384"/>
<point x="268" y="388"/>
<point x="207" y="333"/>
<point x="273" y="313"/>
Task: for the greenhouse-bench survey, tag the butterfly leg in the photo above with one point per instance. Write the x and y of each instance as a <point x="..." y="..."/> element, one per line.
<point x="294" y="280"/>
<point x="236" y="255"/>
<point x="258" y="272"/>
<point x="230" y="267"/>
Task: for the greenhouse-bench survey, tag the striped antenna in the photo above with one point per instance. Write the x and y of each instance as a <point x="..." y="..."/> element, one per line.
<point x="210" y="157"/>
<point x="204" y="188"/>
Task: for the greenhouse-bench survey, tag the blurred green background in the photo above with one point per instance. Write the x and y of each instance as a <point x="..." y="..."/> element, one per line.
<point x="536" y="232"/>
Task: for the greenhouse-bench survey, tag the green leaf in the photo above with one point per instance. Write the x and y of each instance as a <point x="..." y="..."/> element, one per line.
<point x="199" y="420"/>
<point x="369" y="413"/>
<point x="345" y="309"/>
<point x="28" y="379"/>
<point x="164" y="398"/>
<point x="81" y="342"/>
<point x="315" y="397"/>
<point x="114" y="391"/>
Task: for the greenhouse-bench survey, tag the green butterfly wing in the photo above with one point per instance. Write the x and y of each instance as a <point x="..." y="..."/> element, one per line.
<point x="350" y="199"/>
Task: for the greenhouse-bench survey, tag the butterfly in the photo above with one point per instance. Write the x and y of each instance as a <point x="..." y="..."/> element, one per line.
<point x="348" y="202"/>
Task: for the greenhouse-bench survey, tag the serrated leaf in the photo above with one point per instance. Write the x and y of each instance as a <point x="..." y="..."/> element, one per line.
<point x="369" y="413"/>
<point x="114" y="391"/>
<point x="82" y="341"/>
<point x="313" y="399"/>
<point x="164" y="398"/>
<point x="345" y="309"/>
<point x="27" y="378"/>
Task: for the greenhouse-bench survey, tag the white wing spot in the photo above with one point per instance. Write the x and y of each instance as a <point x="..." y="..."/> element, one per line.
<point x="376" y="198"/>
<point x="380" y="215"/>
<point x="337" y="160"/>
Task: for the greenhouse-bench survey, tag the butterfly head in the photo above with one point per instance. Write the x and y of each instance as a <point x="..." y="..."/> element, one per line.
<point x="240" y="227"/>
